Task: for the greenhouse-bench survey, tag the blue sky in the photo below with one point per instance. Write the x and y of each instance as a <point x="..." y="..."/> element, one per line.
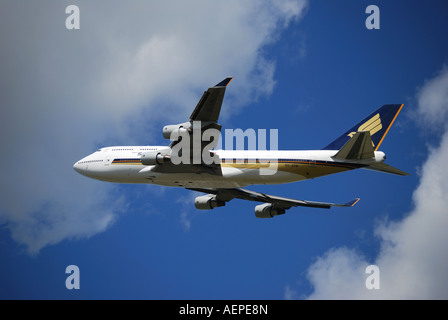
<point x="310" y="69"/>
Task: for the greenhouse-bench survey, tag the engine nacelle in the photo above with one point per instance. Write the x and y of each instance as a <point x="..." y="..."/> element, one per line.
<point x="153" y="158"/>
<point x="208" y="202"/>
<point x="176" y="130"/>
<point x="267" y="210"/>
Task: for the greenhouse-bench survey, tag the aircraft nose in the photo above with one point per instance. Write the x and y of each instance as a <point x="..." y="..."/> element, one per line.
<point x="79" y="168"/>
<point x="76" y="167"/>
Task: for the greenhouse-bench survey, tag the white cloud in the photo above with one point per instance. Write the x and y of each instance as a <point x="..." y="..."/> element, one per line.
<point x="339" y="274"/>
<point x="413" y="259"/>
<point x="290" y="294"/>
<point x="433" y="99"/>
<point x="185" y="203"/>
<point x="63" y="93"/>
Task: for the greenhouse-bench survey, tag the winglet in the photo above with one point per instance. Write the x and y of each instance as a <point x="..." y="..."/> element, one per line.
<point x="225" y="82"/>
<point x="352" y="203"/>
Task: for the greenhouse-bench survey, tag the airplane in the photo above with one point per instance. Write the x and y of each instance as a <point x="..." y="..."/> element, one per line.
<point x="222" y="174"/>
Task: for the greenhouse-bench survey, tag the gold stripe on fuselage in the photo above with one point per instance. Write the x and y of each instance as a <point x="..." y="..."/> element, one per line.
<point x="309" y="169"/>
<point x="306" y="168"/>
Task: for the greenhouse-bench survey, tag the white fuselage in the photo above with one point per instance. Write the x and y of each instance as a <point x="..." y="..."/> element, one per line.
<point x="239" y="167"/>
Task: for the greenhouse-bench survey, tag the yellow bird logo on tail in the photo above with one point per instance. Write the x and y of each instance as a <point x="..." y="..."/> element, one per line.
<point x="373" y="125"/>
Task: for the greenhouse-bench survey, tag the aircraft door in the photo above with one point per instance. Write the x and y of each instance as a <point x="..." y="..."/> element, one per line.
<point x="108" y="157"/>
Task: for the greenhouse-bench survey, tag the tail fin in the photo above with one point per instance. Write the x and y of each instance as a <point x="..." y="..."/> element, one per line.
<point x="360" y="147"/>
<point x="378" y="124"/>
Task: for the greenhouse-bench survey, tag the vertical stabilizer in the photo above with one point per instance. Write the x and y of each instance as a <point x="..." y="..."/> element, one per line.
<point x="377" y="124"/>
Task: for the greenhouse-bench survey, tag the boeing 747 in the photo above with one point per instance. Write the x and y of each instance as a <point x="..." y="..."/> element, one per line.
<point x="191" y="161"/>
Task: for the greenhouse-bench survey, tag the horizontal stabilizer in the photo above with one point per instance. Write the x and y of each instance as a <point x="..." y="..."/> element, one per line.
<point x="386" y="168"/>
<point x="359" y="147"/>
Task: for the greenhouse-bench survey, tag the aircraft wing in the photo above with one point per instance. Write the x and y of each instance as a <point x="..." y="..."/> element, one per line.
<point x="209" y="106"/>
<point x="194" y="137"/>
<point x="225" y="195"/>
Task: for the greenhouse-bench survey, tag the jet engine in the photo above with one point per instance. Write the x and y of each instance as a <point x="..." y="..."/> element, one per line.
<point x="267" y="210"/>
<point x="176" y="130"/>
<point x="208" y="202"/>
<point x="153" y="158"/>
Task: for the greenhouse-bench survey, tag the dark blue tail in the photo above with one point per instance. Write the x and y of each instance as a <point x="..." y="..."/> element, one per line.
<point x="378" y="124"/>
